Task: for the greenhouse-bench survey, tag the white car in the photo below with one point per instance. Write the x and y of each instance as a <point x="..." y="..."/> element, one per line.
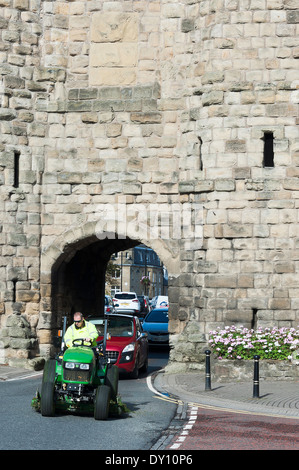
<point x="126" y="302"/>
<point x="161" y="301"/>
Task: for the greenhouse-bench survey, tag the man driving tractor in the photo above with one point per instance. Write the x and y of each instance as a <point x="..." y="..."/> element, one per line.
<point x="81" y="329"/>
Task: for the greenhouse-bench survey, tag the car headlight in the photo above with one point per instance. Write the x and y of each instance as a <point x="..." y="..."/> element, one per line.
<point x="84" y="366"/>
<point x="130" y="347"/>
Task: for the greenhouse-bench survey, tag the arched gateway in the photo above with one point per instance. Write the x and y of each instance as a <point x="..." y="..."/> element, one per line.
<point x="171" y="123"/>
<point x="73" y="272"/>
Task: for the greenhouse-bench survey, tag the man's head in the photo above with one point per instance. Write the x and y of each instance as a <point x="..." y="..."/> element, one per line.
<point x="78" y="319"/>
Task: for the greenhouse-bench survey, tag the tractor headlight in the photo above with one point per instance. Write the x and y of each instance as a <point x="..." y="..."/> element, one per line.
<point x="69" y="365"/>
<point x="75" y="365"/>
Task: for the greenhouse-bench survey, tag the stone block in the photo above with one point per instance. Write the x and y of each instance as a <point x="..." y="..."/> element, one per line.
<point x="114" y="27"/>
<point x="236" y="231"/>
<point x="132" y="188"/>
<point x="17" y="239"/>
<point x="220" y="280"/>
<point x="245" y="280"/>
<point x="113" y="55"/>
<point x="51" y="74"/>
<point x="21" y="4"/>
<point x="45" y="336"/>
<point x="212" y="77"/>
<point x="7" y="114"/>
<point x="225" y="185"/>
<point x="20" y="343"/>
<point x="293" y="16"/>
<point x="235" y="146"/>
<point x="146" y="118"/>
<point x="89" y="118"/>
<point x="45" y="321"/>
<point x="100" y="76"/>
<point x="284" y="267"/>
<point x="279" y="304"/>
<point x="69" y="177"/>
<point x="212" y="98"/>
<point x="187" y="25"/>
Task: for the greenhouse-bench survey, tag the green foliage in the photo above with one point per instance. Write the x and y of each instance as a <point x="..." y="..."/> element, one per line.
<point x="35" y="402"/>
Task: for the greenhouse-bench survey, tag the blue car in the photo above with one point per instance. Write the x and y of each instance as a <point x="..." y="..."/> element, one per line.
<point x="156" y="326"/>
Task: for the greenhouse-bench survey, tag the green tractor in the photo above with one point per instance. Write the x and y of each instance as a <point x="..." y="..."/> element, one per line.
<point x="80" y="378"/>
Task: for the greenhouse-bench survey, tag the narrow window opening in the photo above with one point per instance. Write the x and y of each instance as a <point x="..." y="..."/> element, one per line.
<point x="16" y="169"/>
<point x="199" y="154"/>
<point x="254" y="319"/>
<point x="14" y="290"/>
<point x="268" y="149"/>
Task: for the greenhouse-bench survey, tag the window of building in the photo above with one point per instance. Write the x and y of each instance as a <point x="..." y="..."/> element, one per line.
<point x="16" y="169"/>
<point x="268" y="161"/>
<point x="199" y="153"/>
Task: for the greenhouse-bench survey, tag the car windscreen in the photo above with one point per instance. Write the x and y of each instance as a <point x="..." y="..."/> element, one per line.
<point x="116" y="326"/>
<point x="125" y="296"/>
<point x="121" y="327"/>
<point x="99" y="324"/>
<point x="157" y="316"/>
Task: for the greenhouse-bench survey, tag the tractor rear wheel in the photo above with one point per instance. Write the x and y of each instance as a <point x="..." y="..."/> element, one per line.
<point x="102" y="402"/>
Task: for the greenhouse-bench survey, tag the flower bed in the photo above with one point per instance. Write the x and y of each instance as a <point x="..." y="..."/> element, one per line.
<point x="235" y="342"/>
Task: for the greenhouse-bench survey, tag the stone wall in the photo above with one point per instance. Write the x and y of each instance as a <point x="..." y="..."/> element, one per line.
<point x="232" y="371"/>
<point x="20" y="200"/>
<point x="142" y="103"/>
<point x="240" y="371"/>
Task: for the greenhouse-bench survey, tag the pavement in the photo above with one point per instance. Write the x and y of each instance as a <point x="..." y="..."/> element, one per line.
<point x="274" y="398"/>
<point x="8" y="373"/>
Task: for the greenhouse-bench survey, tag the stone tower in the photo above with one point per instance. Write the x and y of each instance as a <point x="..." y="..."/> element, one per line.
<point x="171" y="123"/>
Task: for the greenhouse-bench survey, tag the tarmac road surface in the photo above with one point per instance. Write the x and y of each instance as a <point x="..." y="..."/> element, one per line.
<point x="212" y="429"/>
<point x="228" y="417"/>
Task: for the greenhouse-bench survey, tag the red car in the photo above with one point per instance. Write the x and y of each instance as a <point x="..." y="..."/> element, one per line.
<point x="127" y="344"/>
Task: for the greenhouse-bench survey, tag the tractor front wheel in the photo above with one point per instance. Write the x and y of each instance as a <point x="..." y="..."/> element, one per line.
<point x="102" y="402"/>
<point x="47" y="394"/>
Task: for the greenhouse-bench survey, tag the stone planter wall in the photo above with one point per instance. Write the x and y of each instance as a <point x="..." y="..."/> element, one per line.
<point x="238" y="371"/>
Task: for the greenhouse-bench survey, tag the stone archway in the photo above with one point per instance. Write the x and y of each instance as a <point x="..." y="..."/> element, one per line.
<point x="80" y="256"/>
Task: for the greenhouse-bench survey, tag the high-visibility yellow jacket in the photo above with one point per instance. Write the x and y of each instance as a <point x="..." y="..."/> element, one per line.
<point x="88" y="330"/>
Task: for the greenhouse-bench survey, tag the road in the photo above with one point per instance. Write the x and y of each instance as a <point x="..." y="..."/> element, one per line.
<point x="26" y="429"/>
<point x="212" y="429"/>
